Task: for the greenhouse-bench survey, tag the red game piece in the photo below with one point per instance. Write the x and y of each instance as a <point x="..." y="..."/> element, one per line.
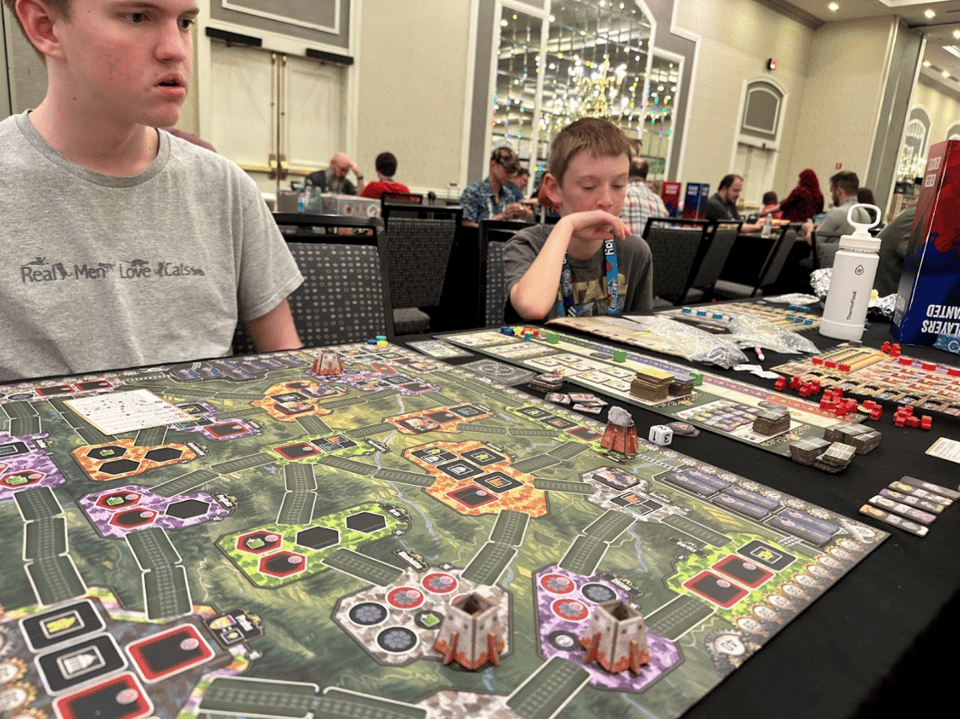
<point x="876" y="413"/>
<point x="926" y="422"/>
<point x="795" y="382"/>
<point x="907" y="409"/>
<point x="885" y="347"/>
<point x="905" y="360"/>
<point x="817" y="360"/>
<point x="953" y="371"/>
<point x="913" y="421"/>
<point x="869" y="404"/>
<point x="899" y="420"/>
<point x="895" y="347"/>
<point x="843" y="367"/>
<point x="829" y="364"/>
<point x="928" y="365"/>
<point x="780" y="384"/>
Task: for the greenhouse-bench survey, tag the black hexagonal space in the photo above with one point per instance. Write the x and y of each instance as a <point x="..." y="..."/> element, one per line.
<point x="318" y="537"/>
<point x="164" y="454"/>
<point x="366" y="522"/>
<point x="119" y="466"/>
<point x="188" y="509"/>
<point x="106" y="452"/>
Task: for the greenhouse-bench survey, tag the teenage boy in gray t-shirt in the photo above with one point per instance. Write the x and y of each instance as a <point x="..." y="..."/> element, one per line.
<point x="121" y="245"/>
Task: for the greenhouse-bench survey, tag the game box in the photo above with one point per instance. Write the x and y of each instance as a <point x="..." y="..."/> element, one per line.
<point x="928" y="302"/>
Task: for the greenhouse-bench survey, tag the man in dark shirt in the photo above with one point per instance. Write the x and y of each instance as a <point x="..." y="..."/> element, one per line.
<point x="334" y="178"/>
<point x="722" y="205"/>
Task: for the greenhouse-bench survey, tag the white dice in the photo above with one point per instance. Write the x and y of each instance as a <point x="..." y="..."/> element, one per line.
<point x="661" y="434"/>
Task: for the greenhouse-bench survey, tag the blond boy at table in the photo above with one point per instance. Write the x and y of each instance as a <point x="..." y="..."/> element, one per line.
<point x="120" y="244"/>
<point x="586" y="264"/>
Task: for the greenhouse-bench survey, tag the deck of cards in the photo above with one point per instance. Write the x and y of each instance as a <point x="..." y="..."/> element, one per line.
<point x="583" y="402"/>
<point x="862" y="438"/>
<point x="910" y="504"/>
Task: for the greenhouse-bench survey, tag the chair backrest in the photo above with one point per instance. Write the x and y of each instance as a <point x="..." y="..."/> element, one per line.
<point x="678" y="248"/>
<point x="419" y="242"/>
<point x="724" y="235"/>
<point x="494" y="235"/>
<point x="777" y="258"/>
<point x="824" y="251"/>
<point x="406" y="198"/>
<point x="345" y="296"/>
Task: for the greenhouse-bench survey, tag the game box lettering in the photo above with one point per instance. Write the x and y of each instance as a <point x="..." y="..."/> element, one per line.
<point x="928" y="300"/>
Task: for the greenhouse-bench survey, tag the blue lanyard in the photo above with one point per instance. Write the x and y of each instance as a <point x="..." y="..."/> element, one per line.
<point x="567" y="306"/>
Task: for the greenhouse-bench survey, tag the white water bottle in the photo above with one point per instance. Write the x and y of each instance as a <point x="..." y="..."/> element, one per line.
<point x="851" y="282"/>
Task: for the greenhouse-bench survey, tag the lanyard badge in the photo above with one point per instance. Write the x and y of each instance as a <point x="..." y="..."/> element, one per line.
<point x="567" y="308"/>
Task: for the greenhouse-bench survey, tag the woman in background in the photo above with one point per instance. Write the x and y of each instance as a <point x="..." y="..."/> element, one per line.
<point x="805" y="201"/>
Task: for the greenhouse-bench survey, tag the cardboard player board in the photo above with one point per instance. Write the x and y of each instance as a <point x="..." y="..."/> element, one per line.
<point x="289" y="551"/>
<point x="720" y="404"/>
<point x="874" y="373"/>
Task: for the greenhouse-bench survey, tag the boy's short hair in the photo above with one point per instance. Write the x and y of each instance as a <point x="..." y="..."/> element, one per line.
<point x="59" y="7"/>
<point x="600" y="137"/>
<point x="386" y="164"/>
<point x="770" y="198"/>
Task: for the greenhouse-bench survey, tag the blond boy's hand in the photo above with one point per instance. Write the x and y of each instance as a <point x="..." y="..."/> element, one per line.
<point x="597" y="220"/>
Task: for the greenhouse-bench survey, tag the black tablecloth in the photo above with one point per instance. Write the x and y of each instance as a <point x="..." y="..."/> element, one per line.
<point x="881" y="642"/>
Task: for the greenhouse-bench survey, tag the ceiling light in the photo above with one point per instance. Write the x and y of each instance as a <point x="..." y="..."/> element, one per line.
<point x="833" y="7"/>
<point x="945" y="73"/>
<point x="929" y="14"/>
<point x="956" y="34"/>
<point x="926" y="63"/>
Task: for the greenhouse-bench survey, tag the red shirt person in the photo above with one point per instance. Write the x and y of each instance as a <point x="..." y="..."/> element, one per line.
<point x="386" y="165"/>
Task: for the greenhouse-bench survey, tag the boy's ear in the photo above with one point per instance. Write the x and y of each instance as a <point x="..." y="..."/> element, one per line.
<point x="38" y="22"/>
<point x="550" y="189"/>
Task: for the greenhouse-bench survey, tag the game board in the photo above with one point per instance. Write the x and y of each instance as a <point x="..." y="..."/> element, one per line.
<point x="719" y="404"/>
<point x="289" y="551"/>
<point x="874" y="373"/>
<point x="718" y="315"/>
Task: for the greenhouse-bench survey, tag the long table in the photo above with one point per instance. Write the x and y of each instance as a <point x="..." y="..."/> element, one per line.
<point x="290" y="547"/>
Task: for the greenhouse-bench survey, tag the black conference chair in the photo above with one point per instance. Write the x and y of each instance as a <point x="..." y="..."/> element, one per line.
<point x="824" y="251"/>
<point x="419" y="243"/>
<point x="770" y="271"/>
<point x="345" y="296"/>
<point x="724" y="235"/>
<point x="678" y="247"/>
<point x="409" y="198"/>
<point x="494" y="235"/>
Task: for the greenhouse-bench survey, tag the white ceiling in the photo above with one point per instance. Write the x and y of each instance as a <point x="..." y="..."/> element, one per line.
<point x="942" y="48"/>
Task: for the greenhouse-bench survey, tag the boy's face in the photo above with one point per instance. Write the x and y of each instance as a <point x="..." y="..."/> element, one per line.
<point x="129" y="59"/>
<point x="592" y="183"/>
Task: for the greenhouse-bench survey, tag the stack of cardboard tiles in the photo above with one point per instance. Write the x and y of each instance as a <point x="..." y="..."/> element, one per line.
<point x="836" y="458"/>
<point x="549" y="382"/>
<point x="652" y="385"/>
<point x="862" y="438"/>
<point x="772" y="421"/>
<point x="806" y="451"/>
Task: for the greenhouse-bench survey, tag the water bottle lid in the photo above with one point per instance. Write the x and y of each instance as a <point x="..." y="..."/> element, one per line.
<point x="861" y="239"/>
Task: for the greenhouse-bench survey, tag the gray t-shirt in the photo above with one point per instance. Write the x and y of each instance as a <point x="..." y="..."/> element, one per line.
<point x="835" y="223"/>
<point x="589" y="277"/>
<point x="101" y="272"/>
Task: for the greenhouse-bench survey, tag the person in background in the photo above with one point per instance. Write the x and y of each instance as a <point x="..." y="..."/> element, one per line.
<point x="386" y="164"/>
<point x="492" y="199"/>
<point x="640" y="203"/>
<point x="894" y="239"/>
<point x="157" y="247"/>
<point x="722" y="205"/>
<point x="843" y="190"/>
<point x="865" y="197"/>
<point x="334" y="178"/>
<point x="805" y="201"/>
<point x="771" y="206"/>
<point x="588" y="263"/>
<point x="518" y="185"/>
